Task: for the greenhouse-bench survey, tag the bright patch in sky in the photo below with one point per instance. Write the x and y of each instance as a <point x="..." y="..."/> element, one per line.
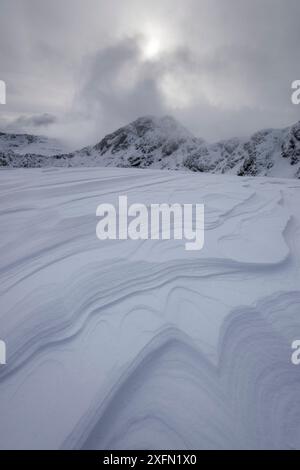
<point x="151" y="48"/>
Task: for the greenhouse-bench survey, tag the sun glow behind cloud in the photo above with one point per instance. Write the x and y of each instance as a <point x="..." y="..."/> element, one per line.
<point x="209" y="63"/>
<point x="151" y="48"/>
<point x="155" y="41"/>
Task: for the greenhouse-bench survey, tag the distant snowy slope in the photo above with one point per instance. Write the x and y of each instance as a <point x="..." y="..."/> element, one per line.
<point x="27" y="143"/>
<point x="162" y="143"/>
<point x="124" y="344"/>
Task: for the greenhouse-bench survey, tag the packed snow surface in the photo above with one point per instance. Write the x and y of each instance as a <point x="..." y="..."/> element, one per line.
<point x="142" y="344"/>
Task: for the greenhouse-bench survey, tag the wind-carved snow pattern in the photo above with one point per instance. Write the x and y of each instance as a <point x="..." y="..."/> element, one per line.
<point x="141" y="344"/>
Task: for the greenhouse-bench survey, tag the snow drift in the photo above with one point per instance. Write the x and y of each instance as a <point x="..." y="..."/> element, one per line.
<point x="141" y="344"/>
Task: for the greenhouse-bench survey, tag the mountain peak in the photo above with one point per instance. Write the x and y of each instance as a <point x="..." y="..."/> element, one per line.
<point x="146" y="141"/>
<point x="163" y="143"/>
<point x="165" y="124"/>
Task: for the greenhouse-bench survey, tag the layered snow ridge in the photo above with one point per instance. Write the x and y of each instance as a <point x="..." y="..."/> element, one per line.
<point x="125" y="344"/>
<point x="162" y="143"/>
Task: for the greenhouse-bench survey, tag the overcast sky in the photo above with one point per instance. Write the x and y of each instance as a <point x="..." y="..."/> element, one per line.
<point x="77" y="69"/>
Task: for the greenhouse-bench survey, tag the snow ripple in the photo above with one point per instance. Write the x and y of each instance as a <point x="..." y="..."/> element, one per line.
<point x="128" y="344"/>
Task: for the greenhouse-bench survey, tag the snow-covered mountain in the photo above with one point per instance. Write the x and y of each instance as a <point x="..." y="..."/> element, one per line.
<point x="162" y="143"/>
<point x="27" y="143"/>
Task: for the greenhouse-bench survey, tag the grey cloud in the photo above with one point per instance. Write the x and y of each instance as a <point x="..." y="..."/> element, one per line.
<point x="223" y="68"/>
<point x="28" y="123"/>
<point x="119" y="86"/>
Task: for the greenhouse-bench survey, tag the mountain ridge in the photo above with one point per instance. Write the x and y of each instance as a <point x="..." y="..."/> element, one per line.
<point x="163" y="143"/>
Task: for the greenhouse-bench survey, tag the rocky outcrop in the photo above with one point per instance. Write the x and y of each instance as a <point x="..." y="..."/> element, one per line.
<point x="163" y="143"/>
